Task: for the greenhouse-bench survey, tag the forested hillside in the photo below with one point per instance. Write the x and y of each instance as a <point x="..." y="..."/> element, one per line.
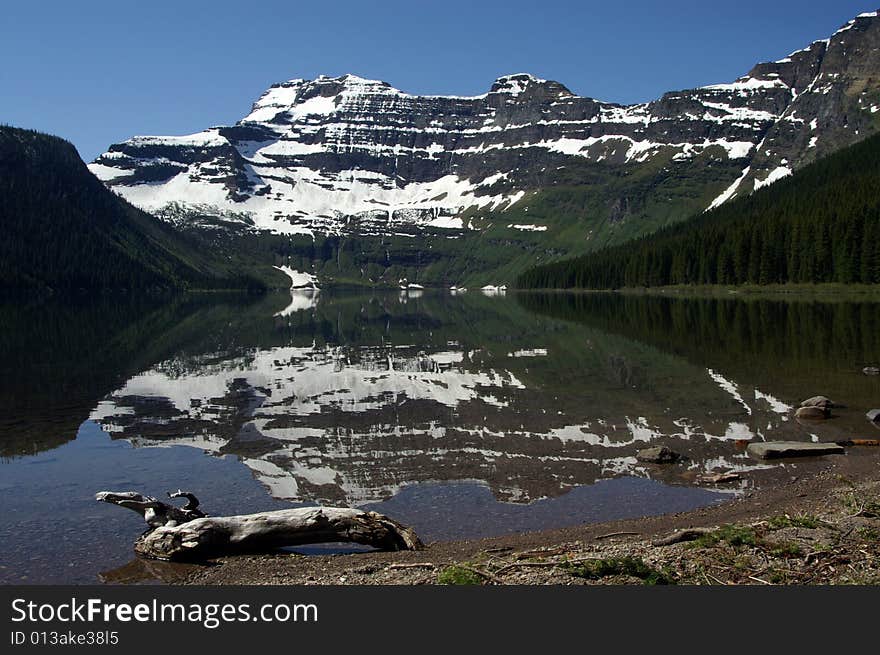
<point x="822" y="224"/>
<point x="63" y="230"/>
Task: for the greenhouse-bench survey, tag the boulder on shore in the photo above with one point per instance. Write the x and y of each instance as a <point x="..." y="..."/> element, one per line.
<point x="658" y="455"/>
<point x="777" y="449"/>
<point x="812" y="413"/>
<point x="819" y="401"/>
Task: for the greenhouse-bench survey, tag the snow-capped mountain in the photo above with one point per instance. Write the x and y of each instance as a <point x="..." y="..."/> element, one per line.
<point x="349" y="154"/>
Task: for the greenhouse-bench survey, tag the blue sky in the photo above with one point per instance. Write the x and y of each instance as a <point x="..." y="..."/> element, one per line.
<point x="97" y="72"/>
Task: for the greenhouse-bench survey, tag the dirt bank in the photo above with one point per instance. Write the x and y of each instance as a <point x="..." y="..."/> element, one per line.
<point x="814" y="521"/>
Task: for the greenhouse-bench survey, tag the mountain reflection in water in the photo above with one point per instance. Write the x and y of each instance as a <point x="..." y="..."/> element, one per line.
<point x="507" y="409"/>
<point x="470" y="388"/>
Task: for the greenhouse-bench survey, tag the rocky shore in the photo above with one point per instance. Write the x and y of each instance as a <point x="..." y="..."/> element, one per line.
<point x="810" y="521"/>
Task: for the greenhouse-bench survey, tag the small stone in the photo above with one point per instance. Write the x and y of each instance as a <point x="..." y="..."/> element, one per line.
<point x="871" y="370"/>
<point x="812" y="412"/>
<point x="658" y="455"/>
<point x="777" y="449"/>
<point x="715" y="478"/>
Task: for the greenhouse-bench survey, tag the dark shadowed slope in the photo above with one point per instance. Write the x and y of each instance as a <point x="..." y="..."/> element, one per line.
<point x="63" y="230"/>
<point x="822" y="224"/>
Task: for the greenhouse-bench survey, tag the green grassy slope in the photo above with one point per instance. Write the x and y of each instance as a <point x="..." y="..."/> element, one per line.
<point x="580" y="208"/>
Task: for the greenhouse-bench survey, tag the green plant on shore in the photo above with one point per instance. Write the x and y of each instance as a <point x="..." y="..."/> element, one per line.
<point x="738" y="536"/>
<point x="802" y="521"/>
<point x="785" y="550"/>
<point x="868" y="534"/>
<point x="741" y="563"/>
<point x="631" y="566"/>
<point x="457" y="574"/>
<point x="734" y="535"/>
<point x="866" y="507"/>
<point x="777" y="576"/>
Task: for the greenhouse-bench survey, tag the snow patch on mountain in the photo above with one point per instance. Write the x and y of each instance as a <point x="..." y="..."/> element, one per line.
<point x="528" y="227"/>
<point x="729" y="192"/>
<point x="776" y="174"/>
<point x="298" y="280"/>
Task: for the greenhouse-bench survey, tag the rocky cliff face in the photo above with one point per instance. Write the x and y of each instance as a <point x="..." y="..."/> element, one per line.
<point x="335" y="155"/>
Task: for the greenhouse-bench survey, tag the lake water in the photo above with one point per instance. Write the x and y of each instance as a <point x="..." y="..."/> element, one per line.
<point x="464" y="416"/>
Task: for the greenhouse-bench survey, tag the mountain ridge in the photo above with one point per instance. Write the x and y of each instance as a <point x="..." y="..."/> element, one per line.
<point x="528" y="164"/>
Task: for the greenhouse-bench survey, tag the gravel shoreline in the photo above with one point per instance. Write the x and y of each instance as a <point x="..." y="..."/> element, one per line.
<point x="811" y="521"/>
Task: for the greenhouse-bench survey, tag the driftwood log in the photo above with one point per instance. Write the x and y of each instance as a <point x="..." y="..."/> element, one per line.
<point x="688" y="534"/>
<point x="179" y="534"/>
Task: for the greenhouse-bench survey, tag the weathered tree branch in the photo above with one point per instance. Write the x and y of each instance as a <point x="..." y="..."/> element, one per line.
<point x="192" y="503"/>
<point x="155" y="512"/>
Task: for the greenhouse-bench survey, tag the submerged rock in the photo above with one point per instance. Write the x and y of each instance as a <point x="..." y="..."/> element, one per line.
<point x="777" y="449"/>
<point x="658" y="455"/>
